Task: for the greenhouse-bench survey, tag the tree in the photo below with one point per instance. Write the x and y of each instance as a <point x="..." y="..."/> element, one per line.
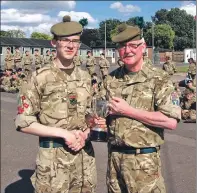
<point x="42" y="36"/>
<point x="4" y="34"/>
<point x="83" y="22"/>
<point x="16" y="33"/>
<point x="164" y="36"/>
<point x="90" y="35"/>
<point x="181" y="23"/>
<point x="111" y="24"/>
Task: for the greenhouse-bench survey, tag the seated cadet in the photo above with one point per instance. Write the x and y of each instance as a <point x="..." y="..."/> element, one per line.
<point x="188" y="105"/>
<point x="15" y="83"/>
<point x="5" y="83"/>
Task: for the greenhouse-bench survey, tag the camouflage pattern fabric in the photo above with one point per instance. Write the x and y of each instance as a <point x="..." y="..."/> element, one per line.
<point x="5" y="84"/>
<point x="27" y="61"/>
<point x="90" y="64"/>
<point x="149" y="89"/>
<point x="147" y="61"/>
<point x="38" y="61"/>
<point x="167" y="66"/>
<point x="104" y="66"/>
<point x="17" y="60"/>
<point x="78" y="60"/>
<point x="135" y="173"/>
<point x="192" y="68"/>
<point x="64" y="99"/>
<point x="47" y="59"/>
<point x="9" y="63"/>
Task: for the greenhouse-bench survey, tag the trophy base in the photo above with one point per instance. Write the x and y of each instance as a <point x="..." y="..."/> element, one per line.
<point x="98" y="136"/>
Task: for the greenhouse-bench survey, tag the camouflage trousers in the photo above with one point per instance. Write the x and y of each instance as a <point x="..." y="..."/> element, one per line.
<point x="38" y="66"/>
<point x="9" y="66"/>
<point x="18" y="65"/>
<point x="189" y="114"/>
<point x="91" y="70"/>
<point x="104" y="71"/>
<point x="27" y="67"/>
<point x="59" y="171"/>
<point x="130" y="173"/>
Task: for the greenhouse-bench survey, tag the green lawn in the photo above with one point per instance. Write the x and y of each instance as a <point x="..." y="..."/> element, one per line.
<point x="182" y="68"/>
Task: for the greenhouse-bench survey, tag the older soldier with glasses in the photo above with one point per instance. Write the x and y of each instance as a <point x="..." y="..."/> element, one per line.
<point x="54" y="105"/>
<point x="140" y="110"/>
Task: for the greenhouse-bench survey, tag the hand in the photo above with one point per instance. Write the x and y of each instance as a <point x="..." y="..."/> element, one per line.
<point x="93" y="121"/>
<point x="118" y="106"/>
<point x="75" y="143"/>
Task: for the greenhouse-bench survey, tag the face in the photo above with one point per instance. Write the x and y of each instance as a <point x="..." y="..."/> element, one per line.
<point x="27" y="53"/>
<point x="131" y="53"/>
<point x="48" y="53"/>
<point x="36" y="53"/>
<point x="189" y="96"/>
<point x="67" y="47"/>
<point x="8" y="51"/>
<point x="54" y="53"/>
<point x="8" y="72"/>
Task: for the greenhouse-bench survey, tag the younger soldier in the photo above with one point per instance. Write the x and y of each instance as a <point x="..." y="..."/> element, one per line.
<point x="54" y="105"/>
<point x="104" y="65"/>
<point x="17" y="58"/>
<point x="27" y="61"/>
<point x="47" y="58"/>
<point x="9" y="63"/>
<point x="90" y="62"/>
<point x="37" y="59"/>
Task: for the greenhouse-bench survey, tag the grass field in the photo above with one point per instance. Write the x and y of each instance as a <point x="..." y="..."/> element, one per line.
<point x="182" y="68"/>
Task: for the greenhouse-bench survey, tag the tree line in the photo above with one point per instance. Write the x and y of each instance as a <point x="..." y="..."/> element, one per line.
<point x="173" y="29"/>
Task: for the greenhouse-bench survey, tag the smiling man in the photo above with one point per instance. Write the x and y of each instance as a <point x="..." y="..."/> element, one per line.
<point x="53" y="105"/>
<point x="140" y="109"/>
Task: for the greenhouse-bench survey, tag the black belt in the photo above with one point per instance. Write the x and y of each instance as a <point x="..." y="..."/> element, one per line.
<point x="133" y="150"/>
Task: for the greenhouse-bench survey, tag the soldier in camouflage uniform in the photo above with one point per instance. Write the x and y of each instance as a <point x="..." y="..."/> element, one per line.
<point x="53" y="55"/>
<point x="38" y="59"/>
<point x="8" y="63"/>
<point x="53" y="105"/>
<point x="140" y="109"/>
<point x="192" y="67"/>
<point x="17" y="58"/>
<point x="5" y="82"/>
<point x="188" y="105"/>
<point x="47" y="58"/>
<point x="90" y="63"/>
<point x="78" y="60"/>
<point x="168" y="66"/>
<point x="104" y="65"/>
<point x="27" y="61"/>
<point x="15" y="83"/>
<point x="146" y="59"/>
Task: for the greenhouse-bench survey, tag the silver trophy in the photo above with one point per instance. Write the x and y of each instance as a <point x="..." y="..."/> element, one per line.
<point x="100" y="109"/>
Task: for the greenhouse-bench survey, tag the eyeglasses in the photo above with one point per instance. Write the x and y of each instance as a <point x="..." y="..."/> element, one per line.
<point x="133" y="46"/>
<point x="67" y="41"/>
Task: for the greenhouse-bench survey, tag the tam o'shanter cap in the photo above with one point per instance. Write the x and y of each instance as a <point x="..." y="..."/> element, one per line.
<point x="126" y="32"/>
<point x="66" y="27"/>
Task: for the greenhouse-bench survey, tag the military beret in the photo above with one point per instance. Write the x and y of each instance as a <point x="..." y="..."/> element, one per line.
<point x="66" y="27"/>
<point x="125" y="32"/>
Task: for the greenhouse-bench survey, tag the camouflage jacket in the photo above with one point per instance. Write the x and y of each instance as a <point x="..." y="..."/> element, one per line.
<point x="17" y="57"/>
<point x="103" y="63"/>
<point x="167" y="66"/>
<point x="187" y="104"/>
<point x="54" y="98"/>
<point x="90" y="61"/>
<point x="6" y="81"/>
<point x="192" y="68"/>
<point x="150" y="89"/>
<point x="38" y="60"/>
<point x="78" y="60"/>
<point x="27" y="60"/>
<point x="47" y="59"/>
<point x="147" y="61"/>
<point x="9" y="58"/>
